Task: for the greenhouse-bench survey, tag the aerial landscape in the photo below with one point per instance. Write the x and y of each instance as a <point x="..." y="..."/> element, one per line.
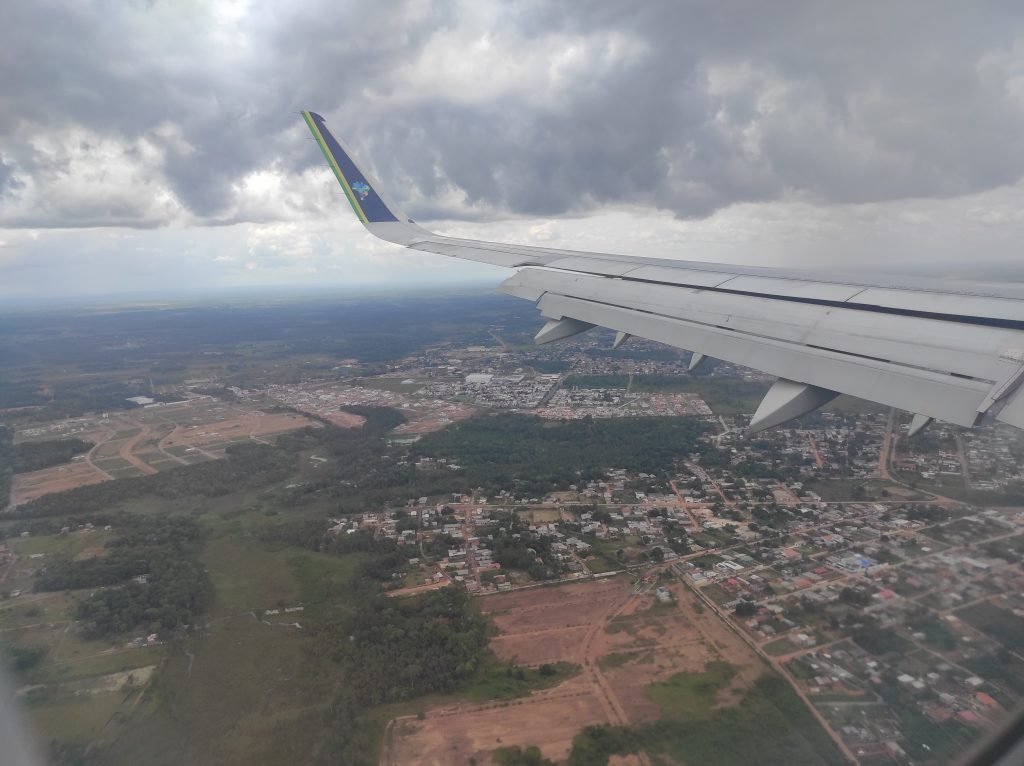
<point x="511" y="383"/>
<point x="424" y="539"/>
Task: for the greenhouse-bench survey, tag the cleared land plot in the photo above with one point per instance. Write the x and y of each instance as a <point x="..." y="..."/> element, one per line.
<point x="454" y="735"/>
<point x="29" y="486"/>
<point x="539" y="625"/>
<point x="427" y="421"/>
<point x="236" y="426"/>
<point x="150" y="440"/>
<point x="648" y="643"/>
<point x="345" y="419"/>
<point x="549" y="624"/>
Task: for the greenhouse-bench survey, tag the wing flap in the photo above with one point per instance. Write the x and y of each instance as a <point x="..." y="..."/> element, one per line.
<point x="954" y="349"/>
<point x="944" y="397"/>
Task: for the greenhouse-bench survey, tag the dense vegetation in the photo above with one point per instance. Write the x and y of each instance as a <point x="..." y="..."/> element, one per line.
<point x="390" y="650"/>
<point x="34" y="456"/>
<point x="153" y="580"/>
<point x="498" y="451"/>
<point x="20" y="394"/>
<point x="518" y="756"/>
<point x="1003" y="625"/>
<point x="394" y="649"/>
<point x="514" y="550"/>
<point x="769" y="726"/>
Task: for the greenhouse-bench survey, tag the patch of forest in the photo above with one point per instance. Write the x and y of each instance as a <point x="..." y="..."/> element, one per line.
<point x="21" y="394"/>
<point x="149" y="578"/>
<point x="34" y="456"/>
<point x="538" y="456"/>
<point x="392" y="650"/>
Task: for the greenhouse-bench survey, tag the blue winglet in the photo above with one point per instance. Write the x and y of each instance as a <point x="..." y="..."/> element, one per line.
<point x="365" y="200"/>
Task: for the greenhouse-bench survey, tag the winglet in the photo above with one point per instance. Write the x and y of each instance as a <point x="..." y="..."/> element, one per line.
<point x="362" y="191"/>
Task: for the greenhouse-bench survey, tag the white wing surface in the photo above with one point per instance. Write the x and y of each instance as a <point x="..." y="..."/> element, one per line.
<point x="951" y="352"/>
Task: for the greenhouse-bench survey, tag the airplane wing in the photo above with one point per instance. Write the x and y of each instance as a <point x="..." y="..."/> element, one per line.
<point x="942" y="351"/>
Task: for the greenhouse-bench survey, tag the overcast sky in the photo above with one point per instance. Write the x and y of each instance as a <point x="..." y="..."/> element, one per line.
<point x="150" y="146"/>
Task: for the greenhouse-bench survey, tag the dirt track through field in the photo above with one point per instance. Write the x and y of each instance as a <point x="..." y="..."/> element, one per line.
<point x="127" y="451"/>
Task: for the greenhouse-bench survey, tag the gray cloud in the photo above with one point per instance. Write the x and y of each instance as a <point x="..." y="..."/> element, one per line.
<point x="473" y="110"/>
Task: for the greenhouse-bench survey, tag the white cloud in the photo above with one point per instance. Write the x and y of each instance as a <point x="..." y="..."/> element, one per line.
<point x="156" y="144"/>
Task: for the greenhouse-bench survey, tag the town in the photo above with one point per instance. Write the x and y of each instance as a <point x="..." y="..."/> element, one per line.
<point x="878" y="574"/>
<point x="843" y="553"/>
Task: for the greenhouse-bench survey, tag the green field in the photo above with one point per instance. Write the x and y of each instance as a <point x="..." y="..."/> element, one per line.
<point x="691" y="695"/>
<point x="779" y="646"/>
<point x="770" y="725"/>
<point x="500" y="680"/>
<point x="389" y="384"/>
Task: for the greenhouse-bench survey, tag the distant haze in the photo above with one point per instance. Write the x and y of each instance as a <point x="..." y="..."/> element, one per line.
<point x="156" y="147"/>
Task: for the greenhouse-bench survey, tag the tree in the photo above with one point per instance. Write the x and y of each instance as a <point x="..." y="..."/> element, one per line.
<point x="746" y="609"/>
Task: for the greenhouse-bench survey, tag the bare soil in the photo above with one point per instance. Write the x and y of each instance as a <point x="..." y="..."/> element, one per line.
<point x="346" y="419"/>
<point x="453" y="735"/>
<point x="29" y="486"/>
<point x="251" y="425"/>
<point x="129" y="445"/>
<point x="623" y="640"/>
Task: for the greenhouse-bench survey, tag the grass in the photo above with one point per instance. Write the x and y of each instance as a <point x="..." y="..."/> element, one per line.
<point x="247" y="576"/>
<point x="70" y="544"/>
<point x="600" y="564"/>
<point x="72" y="718"/>
<point x="691" y="695"/>
<point x="501" y="680"/>
<point x="97" y="665"/>
<point x="718" y="594"/>
<point x="389" y="384"/>
<point x="770" y="725"/>
<point x="729" y="396"/>
<point x="882" y="641"/>
<point x="616" y="660"/>
<point x="319" y="576"/>
<point x="249" y="691"/>
<point x="1001" y="624"/>
<point x="936" y="633"/>
<point x="779" y="646"/>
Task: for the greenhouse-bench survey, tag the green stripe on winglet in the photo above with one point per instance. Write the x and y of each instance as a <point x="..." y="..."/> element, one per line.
<point x="334" y="166"/>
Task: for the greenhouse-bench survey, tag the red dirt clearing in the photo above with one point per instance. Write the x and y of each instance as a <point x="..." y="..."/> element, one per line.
<point x="345" y="419"/>
<point x="247" y="425"/>
<point x="452" y="736"/>
<point x="29" y="486"/>
<point x="549" y="624"/>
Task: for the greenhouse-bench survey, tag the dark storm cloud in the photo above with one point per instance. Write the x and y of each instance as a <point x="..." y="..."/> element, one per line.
<point x="713" y="103"/>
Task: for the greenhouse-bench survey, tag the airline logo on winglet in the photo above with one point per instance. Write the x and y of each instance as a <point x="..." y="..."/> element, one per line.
<point x="369" y="207"/>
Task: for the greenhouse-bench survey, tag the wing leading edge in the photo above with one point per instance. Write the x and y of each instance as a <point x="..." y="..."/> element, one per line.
<point x="941" y="351"/>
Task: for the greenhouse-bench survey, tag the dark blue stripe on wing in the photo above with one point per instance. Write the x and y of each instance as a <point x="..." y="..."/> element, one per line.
<point x="373" y="207"/>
